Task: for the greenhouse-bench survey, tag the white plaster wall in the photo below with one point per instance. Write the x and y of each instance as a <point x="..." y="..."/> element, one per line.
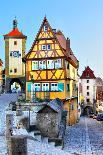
<point x="92" y="89"/>
<point x="15" y="62"/>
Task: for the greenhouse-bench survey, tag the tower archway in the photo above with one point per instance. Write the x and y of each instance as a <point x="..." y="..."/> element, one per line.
<point x="16" y="85"/>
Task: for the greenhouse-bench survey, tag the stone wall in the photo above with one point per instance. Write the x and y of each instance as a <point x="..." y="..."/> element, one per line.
<point x="48" y="124"/>
<point x="18" y="145"/>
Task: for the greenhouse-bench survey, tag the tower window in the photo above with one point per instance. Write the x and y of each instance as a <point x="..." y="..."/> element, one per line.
<point x="88" y="87"/>
<point x="87" y="81"/>
<point x="87" y="93"/>
<point x="15" y="70"/>
<point x="88" y="100"/>
<point x="15" y="42"/>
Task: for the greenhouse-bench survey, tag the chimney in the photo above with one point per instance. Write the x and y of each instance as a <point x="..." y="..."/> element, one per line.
<point x="68" y="43"/>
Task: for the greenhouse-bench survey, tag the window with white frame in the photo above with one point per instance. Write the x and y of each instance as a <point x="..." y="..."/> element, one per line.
<point x="54" y="86"/>
<point x="43" y="47"/>
<point x="36" y="87"/>
<point x="48" y="47"/>
<point x="45" y="86"/>
<point x="34" y="65"/>
<point x="42" y="64"/>
<point x="50" y="64"/>
<point x="45" y="28"/>
<point x="58" y="63"/>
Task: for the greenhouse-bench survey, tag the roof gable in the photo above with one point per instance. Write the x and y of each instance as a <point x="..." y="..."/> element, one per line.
<point x="56" y="105"/>
<point x="59" y="37"/>
<point x="88" y="74"/>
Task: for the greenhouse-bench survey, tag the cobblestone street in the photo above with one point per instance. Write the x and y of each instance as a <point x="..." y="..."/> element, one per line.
<point x="5" y="99"/>
<point x="85" y="138"/>
<point x="4" y="102"/>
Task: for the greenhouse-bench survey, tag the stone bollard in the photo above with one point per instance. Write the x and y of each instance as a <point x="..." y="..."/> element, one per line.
<point x="18" y="145"/>
<point x="8" y="132"/>
<point x="9" y="125"/>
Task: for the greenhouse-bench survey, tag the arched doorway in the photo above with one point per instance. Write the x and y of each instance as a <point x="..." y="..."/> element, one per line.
<point x="16" y="85"/>
<point x="88" y="110"/>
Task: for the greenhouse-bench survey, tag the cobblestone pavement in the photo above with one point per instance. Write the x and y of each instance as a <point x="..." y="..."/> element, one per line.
<point x="4" y="102"/>
<point x="5" y="99"/>
<point x="85" y="138"/>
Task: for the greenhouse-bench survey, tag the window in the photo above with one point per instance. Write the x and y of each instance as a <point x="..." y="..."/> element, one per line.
<point x="11" y="54"/>
<point x="87" y="93"/>
<point x="45" y="28"/>
<point x="87" y="81"/>
<point x="45" y="86"/>
<point x="58" y="63"/>
<point x="48" y="47"/>
<point x="15" y="70"/>
<point x="34" y="65"/>
<point x="15" y="42"/>
<point x="10" y="70"/>
<point x="50" y="64"/>
<point x="68" y="65"/>
<point x="42" y="64"/>
<point x="54" y="87"/>
<point x="43" y="47"/>
<point x="36" y="87"/>
<point x="68" y="88"/>
<point x="88" y="87"/>
<point x="88" y="100"/>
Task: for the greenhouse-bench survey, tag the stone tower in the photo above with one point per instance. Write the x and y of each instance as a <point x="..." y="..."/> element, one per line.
<point x="15" y="42"/>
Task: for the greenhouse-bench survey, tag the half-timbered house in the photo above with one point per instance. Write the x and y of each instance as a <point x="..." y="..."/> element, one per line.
<point x="51" y="69"/>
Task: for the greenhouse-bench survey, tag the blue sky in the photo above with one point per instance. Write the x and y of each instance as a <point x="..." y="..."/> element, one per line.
<point x="80" y="20"/>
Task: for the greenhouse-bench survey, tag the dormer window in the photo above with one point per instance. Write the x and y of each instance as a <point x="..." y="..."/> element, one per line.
<point x="45" y="28"/>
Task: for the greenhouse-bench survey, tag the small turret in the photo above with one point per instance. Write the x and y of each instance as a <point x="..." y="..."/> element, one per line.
<point x="15" y="23"/>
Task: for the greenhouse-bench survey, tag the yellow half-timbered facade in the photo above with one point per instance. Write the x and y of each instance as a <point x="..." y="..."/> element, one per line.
<point x="51" y="69"/>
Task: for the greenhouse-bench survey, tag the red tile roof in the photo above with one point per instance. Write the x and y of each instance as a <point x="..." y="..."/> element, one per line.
<point x="63" y="42"/>
<point x="15" y="33"/>
<point x="88" y="74"/>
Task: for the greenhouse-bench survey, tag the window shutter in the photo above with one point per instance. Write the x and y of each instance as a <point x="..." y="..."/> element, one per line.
<point x="29" y="87"/>
<point x="61" y="87"/>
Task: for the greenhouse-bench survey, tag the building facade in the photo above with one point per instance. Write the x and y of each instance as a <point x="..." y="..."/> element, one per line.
<point x="15" y="43"/>
<point x="1" y="79"/>
<point x="99" y="95"/>
<point x="88" y="90"/>
<point x="51" y="69"/>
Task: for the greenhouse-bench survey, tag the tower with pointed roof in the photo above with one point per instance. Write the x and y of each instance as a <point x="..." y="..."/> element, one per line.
<point x="88" y="82"/>
<point x="15" y="42"/>
<point x="51" y="69"/>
